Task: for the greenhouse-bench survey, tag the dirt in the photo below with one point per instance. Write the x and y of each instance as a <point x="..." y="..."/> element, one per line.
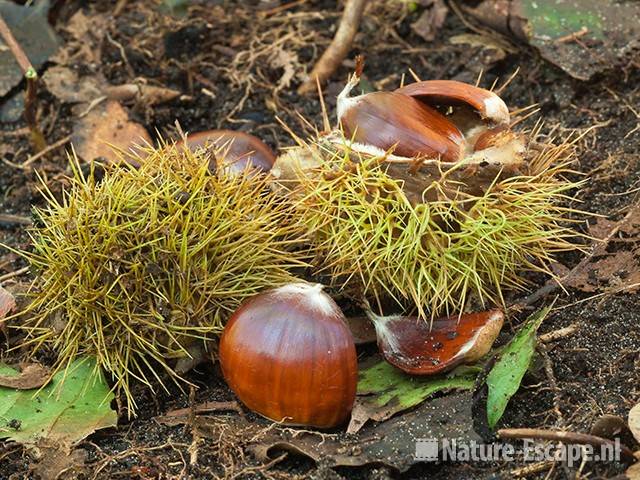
<point x="596" y="370"/>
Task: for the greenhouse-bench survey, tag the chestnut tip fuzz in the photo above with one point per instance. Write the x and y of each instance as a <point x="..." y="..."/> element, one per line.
<point x="288" y="355"/>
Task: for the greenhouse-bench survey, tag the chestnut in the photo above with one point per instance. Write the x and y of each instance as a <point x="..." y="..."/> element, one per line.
<point x="288" y="355"/>
<point x="238" y="149"/>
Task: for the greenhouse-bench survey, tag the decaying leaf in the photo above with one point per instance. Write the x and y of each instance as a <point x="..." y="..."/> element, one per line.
<point x="68" y="87"/>
<point x="32" y="375"/>
<point x="582" y="37"/>
<point x="503" y="381"/>
<point x="634" y="422"/>
<point x="74" y="404"/>
<point x="7" y="303"/>
<point x="107" y="126"/>
<point x="383" y="391"/>
<point x="431" y="20"/>
<point x="391" y="443"/>
<point x="32" y="31"/>
<point x="614" y="263"/>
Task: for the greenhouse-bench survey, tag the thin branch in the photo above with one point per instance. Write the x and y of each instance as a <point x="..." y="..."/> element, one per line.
<point x="339" y="47"/>
<point x="564" y="437"/>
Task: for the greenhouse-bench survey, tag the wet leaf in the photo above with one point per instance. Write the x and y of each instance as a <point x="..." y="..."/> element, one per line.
<point x="391" y="443"/>
<point x="63" y="412"/>
<point x="582" y="37"/>
<point x="383" y="391"/>
<point x="504" y="379"/>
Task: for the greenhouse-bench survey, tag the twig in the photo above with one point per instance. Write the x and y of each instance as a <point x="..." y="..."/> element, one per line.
<point x="564" y="437"/>
<point x="8" y="220"/>
<point x="558" y="334"/>
<point x="31" y="76"/>
<point x="10" y="275"/>
<point x="338" y="48"/>
<point x="42" y="153"/>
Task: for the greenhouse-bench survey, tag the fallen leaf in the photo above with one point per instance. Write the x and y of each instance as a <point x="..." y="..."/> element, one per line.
<point x="504" y="379"/>
<point x="65" y="84"/>
<point x="7" y="303"/>
<point x="85" y="43"/>
<point x="495" y="46"/>
<point x="59" y="461"/>
<point x="634" y="422"/>
<point x="383" y="391"/>
<point x="391" y="443"/>
<point x="107" y="126"/>
<point x="205" y="407"/>
<point x="32" y="31"/>
<point x="32" y="375"/>
<point x="431" y="20"/>
<point x="614" y="263"/>
<point x="582" y="37"/>
<point x="73" y="405"/>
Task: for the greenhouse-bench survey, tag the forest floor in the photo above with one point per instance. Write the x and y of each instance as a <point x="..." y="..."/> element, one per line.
<point x="237" y="67"/>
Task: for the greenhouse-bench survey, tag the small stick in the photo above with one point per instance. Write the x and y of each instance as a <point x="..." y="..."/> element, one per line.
<point x="338" y="48"/>
<point x="564" y="437"/>
<point x="41" y="153"/>
<point x="558" y="334"/>
<point x="10" y="275"/>
<point x="31" y="76"/>
<point x="8" y="220"/>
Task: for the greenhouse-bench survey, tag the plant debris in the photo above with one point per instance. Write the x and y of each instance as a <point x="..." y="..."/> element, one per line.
<point x="74" y="404"/>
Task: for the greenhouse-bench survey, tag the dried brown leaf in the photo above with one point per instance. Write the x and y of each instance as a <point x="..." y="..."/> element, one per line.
<point x="105" y="127"/>
<point x="32" y="375"/>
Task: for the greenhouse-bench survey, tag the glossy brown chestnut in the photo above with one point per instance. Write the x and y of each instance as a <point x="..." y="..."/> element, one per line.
<point x="387" y="119"/>
<point x="419" y="348"/>
<point x="289" y="356"/>
<point x="451" y="92"/>
<point x="237" y="150"/>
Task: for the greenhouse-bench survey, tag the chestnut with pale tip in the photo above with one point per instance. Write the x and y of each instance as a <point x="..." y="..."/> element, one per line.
<point x="451" y="92"/>
<point x="391" y="121"/>
<point x="235" y="151"/>
<point x="288" y="355"/>
<point x="420" y="348"/>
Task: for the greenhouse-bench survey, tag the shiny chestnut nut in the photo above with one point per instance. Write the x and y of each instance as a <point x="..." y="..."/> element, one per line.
<point x="289" y="356"/>
<point x="235" y="151"/>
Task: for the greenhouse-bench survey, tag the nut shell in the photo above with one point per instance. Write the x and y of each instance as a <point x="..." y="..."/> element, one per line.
<point x="289" y="356"/>
<point x="387" y="119"/>
<point x="240" y="149"/>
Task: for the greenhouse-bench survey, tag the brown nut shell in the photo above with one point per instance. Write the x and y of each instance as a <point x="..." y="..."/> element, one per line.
<point x="239" y="149"/>
<point x="387" y="119"/>
<point x="451" y="92"/>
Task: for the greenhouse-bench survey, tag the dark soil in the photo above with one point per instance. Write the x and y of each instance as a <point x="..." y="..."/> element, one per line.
<point x="597" y="369"/>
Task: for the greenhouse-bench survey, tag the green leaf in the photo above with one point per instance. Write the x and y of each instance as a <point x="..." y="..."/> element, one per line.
<point x="73" y="405"/>
<point x="399" y="391"/>
<point x="504" y="379"/>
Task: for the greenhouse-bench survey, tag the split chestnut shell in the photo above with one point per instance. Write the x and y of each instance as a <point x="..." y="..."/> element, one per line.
<point x="289" y="356"/>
